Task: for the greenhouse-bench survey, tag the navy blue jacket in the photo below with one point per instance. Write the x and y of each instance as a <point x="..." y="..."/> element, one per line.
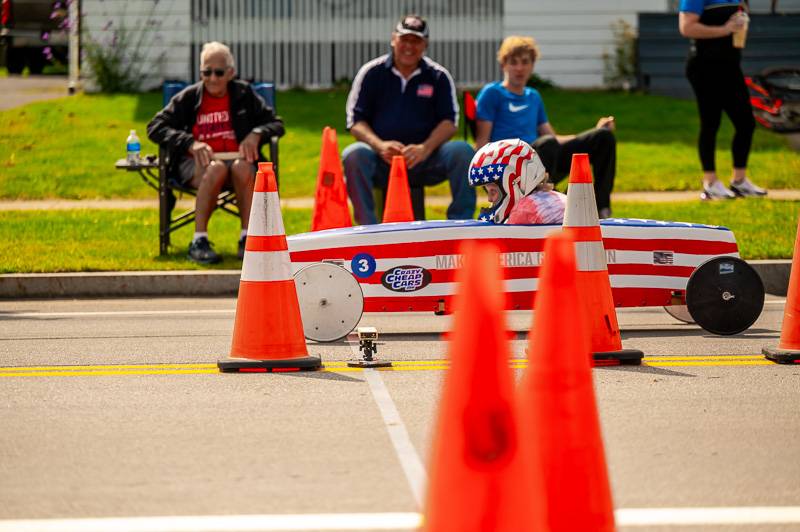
<point x="409" y="114"/>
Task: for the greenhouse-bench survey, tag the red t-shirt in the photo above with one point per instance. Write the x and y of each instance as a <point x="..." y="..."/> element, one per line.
<point x="213" y="125"/>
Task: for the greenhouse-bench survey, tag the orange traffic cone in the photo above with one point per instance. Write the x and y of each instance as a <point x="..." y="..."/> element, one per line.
<point x="478" y="476"/>
<point x="397" y="207"/>
<point x="788" y="350"/>
<point x="594" y="286"/>
<point x="268" y="333"/>
<point x="330" y="202"/>
<point x="558" y="412"/>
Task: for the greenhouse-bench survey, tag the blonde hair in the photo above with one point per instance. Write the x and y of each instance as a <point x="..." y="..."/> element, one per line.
<point x="214" y="47"/>
<point x="516" y="45"/>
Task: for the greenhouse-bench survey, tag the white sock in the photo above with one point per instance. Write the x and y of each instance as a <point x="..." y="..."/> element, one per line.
<point x="199" y="235"/>
<point x="243" y="234"/>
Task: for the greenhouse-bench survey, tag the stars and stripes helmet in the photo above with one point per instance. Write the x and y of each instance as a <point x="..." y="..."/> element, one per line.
<point x="514" y="166"/>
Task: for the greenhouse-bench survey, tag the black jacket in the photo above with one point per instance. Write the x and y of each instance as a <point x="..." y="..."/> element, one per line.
<point x="171" y="128"/>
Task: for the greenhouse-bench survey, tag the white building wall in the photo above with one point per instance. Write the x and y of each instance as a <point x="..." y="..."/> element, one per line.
<point x="161" y="29"/>
<point x="295" y="49"/>
<point x="573" y="34"/>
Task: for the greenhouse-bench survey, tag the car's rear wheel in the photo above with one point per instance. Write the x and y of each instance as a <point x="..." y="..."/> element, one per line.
<point x="725" y="295"/>
<point x="680" y="313"/>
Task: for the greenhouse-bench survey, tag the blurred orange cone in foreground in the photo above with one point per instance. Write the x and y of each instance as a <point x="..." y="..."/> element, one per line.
<point x="330" y="201"/>
<point x="788" y="350"/>
<point x="478" y="476"/>
<point x="267" y="333"/>
<point x="397" y="207"/>
<point x="594" y="286"/>
<point x="558" y="414"/>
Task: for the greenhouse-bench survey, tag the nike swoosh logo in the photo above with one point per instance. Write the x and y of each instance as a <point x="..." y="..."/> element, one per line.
<point x="514" y="108"/>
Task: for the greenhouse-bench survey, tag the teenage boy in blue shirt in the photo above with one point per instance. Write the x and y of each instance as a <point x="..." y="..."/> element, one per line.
<point x="509" y="109"/>
<point x="403" y="103"/>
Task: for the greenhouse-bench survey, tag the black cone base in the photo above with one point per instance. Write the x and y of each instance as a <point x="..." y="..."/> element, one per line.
<point x="247" y="365"/>
<point x="781" y="356"/>
<point x="631" y="357"/>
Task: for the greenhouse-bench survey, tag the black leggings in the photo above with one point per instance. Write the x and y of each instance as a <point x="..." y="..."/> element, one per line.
<point x="601" y="146"/>
<point x="719" y="86"/>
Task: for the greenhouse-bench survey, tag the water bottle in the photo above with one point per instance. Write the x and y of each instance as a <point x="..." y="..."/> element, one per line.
<point x="134" y="147"/>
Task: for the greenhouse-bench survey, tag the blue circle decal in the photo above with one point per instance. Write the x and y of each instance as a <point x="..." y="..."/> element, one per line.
<point x="363" y="265"/>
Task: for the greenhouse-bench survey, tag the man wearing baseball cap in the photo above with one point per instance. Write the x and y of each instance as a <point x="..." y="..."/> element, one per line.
<point x="403" y="103"/>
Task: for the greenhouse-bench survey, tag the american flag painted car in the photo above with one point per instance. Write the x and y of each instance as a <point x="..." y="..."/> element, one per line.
<point x="412" y="266"/>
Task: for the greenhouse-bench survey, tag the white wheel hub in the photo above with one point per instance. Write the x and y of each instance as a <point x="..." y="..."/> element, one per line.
<point x="331" y="301"/>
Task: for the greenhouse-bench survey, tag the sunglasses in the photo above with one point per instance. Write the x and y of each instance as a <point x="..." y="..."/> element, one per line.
<point x="219" y="72"/>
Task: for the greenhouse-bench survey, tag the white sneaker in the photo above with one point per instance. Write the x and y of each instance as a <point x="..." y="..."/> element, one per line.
<point x="716" y="190"/>
<point x="746" y="188"/>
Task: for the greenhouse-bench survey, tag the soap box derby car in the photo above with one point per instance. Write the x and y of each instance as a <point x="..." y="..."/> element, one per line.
<point x="411" y="266"/>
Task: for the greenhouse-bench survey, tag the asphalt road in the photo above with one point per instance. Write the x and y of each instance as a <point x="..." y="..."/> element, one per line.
<point x="114" y="408"/>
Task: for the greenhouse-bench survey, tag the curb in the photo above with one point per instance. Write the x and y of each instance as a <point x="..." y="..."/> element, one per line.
<point x="774" y="274"/>
<point x="119" y="284"/>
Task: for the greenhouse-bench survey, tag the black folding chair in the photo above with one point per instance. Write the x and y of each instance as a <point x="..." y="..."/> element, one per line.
<point x="155" y="172"/>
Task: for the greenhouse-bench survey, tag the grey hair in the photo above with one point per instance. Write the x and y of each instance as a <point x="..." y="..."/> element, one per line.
<point x="215" y="47"/>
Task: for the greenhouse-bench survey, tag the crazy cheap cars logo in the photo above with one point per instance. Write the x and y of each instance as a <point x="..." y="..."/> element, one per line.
<point x="406" y="278"/>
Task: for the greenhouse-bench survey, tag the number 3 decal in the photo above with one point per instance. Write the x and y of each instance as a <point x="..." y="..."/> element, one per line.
<point x="363" y="265"/>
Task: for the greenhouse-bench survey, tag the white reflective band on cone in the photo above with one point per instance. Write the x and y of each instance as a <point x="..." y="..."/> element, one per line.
<point x="266" y="266"/>
<point x="590" y="256"/>
<point x="581" y="208"/>
<point x="265" y="215"/>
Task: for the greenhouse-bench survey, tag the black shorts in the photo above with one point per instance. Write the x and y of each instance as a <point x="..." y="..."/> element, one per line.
<point x="186" y="170"/>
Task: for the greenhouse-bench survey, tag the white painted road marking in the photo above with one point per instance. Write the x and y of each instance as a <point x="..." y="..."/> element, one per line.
<point x="117" y="313"/>
<point x="406" y="453"/>
<point x="742" y="515"/>
<point x="80" y="314"/>
<point x="629" y="517"/>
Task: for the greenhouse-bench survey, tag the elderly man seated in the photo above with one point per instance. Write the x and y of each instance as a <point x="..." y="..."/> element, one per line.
<point x="218" y="114"/>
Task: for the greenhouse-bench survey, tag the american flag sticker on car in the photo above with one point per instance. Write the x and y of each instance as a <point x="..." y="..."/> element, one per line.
<point x="425" y="90"/>
<point x="662" y="257"/>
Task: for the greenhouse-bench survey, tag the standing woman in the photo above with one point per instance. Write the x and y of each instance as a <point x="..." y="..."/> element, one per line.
<point x="715" y="74"/>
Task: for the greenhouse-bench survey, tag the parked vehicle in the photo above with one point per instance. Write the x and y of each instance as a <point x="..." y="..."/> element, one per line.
<point x="775" y="97"/>
<point x="27" y="27"/>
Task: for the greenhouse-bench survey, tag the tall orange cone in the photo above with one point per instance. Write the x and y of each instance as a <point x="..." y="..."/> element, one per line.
<point x="558" y="412"/>
<point x="397" y="207"/>
<point x="267" y="333"/>
<point x="788" y="350"/>
<point x="594" y="286"/>
<point x="479" y="479"/>
<point x="330" y="201"/>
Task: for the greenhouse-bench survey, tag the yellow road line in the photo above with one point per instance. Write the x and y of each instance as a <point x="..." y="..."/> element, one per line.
<point x="341" y="366"/>
<point x="703" y="357"/>
<point x="764" y="362"/>
<point x="105" y="373"/>
<point x="106" y="366"/>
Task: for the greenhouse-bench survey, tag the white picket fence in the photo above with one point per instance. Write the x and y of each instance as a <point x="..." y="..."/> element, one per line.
<point x="315" y="43"/>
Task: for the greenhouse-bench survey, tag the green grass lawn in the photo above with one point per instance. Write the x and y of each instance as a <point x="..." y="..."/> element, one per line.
<point x="106" y="240"/>
<point x="66" y="148"/>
